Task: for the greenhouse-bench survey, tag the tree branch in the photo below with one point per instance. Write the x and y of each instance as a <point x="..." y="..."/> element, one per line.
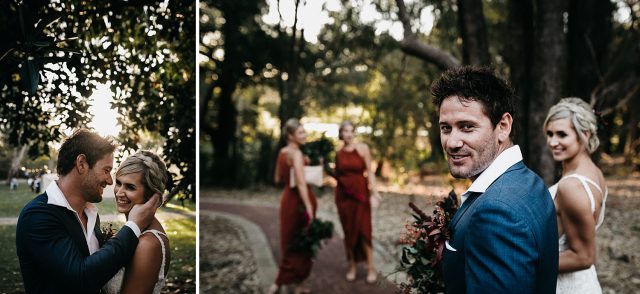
<point x="412" y="46"/>
<point x="622" y="102"/>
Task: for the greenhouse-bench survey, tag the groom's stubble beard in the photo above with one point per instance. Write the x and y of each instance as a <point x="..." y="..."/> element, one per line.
<point x="485" y="157"/>
<point x="90" y="191"/>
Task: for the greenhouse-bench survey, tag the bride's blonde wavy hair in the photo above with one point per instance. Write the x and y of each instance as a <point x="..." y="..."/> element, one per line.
<point x="155" y="175"/>
<point x="582" y="118"/>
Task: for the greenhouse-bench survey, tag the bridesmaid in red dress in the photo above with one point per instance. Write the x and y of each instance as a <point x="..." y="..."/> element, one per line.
<point x="355" y="194"/>
<point x="297" y="209"/>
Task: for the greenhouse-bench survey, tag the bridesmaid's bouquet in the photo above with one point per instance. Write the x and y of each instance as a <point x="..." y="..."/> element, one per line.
<point x="318" y="151"/>
<point x="310" y="240"/>
<point x="425" y="238"/>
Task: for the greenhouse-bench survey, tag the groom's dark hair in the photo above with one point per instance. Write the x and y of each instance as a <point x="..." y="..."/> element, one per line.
<point x="83" y="141"/>
<point x="473" y="83"/>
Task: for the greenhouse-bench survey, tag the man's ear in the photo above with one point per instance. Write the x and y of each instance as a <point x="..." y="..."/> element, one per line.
<point x="81" y="164"/>
<point x="504" y="127"/>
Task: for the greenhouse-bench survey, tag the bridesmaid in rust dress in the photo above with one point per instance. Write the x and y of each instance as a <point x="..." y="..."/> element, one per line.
<point x="355" y="194"/>
<point x="297" y="209"/>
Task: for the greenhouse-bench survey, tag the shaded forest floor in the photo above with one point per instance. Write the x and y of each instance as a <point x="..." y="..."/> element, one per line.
<point x="618" y="240"/>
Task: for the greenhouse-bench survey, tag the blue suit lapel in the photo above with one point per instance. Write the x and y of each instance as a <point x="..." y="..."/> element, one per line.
<point x="463" y="209"/>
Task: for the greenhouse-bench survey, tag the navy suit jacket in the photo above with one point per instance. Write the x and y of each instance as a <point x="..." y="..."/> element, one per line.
<point x="505" y="239"/>
<point x="53" y="252"/>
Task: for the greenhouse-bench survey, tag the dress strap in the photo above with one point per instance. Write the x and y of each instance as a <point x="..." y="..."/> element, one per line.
<point x="584" y="180"/>
<point x="164" y="256"/>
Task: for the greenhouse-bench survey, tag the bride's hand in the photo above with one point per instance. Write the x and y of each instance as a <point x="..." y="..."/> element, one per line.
<point x="142" y="214"/>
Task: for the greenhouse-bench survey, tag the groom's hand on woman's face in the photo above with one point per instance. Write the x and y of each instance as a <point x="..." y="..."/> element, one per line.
<point x="142" y="214"/>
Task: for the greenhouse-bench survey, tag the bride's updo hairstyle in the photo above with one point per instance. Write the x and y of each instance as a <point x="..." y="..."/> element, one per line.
<point x="155" y="176"/>
<point x="582" y="118"/>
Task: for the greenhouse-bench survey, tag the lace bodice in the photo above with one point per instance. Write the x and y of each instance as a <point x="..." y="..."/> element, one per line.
<point x="115" y="284"/>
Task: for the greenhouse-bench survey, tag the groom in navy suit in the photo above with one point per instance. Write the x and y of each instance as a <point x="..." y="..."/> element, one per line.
<point x="505" y="237"/>
<point x="58" y="233"/>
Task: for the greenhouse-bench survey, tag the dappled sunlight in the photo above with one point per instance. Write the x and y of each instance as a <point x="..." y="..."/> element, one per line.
<point x="105" y="118"/>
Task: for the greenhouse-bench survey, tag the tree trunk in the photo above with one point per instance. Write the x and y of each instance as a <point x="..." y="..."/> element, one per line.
<point x="473" y="31"/>
<point x="16" y="158"/>
<point x="519" y="57"/>
<point x="224" y="134"/>
<point x="589" y="33"/>
<point x="547" y="76"/>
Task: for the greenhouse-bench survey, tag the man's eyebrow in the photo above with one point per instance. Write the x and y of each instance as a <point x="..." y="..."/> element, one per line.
<point x="466" y="122"/>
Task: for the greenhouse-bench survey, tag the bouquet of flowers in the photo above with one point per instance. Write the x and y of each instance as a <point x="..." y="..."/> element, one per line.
<point x="310" y="240"/>
<point x="425" y="237"/>
<point x="107" y="233"/>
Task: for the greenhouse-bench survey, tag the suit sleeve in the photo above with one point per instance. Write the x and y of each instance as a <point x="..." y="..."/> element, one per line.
<point x="43" y="236"/>
<point x="500" y="251"/>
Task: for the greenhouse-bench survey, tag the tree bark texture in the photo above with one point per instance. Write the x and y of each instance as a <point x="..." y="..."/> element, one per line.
<point x="589" y="33"/>
<point x="547" y="76"/>
<point x="473" y="31"/>
<point x="519" y="56"/>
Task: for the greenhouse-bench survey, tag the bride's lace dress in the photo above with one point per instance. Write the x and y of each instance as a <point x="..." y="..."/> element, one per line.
<point x="115" y="284"/>
<point x="582" y="281"/>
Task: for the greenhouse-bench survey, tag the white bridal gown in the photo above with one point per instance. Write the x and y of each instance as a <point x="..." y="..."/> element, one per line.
<point x="582" y="281"/>
<point x="115" y="284"/>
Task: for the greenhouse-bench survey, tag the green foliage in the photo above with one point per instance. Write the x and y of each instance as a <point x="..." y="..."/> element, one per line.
<point x="318" y="150"/>
<point x="144" y="50"/>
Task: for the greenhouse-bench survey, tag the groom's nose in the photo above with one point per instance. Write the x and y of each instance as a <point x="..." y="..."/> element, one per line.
<point x="109" y="179"/>
<point x="453" y="141"/>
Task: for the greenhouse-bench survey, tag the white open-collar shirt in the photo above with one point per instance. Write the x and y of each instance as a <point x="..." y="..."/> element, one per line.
<point x="56" y="197"/>
<point x="501" y="164"/>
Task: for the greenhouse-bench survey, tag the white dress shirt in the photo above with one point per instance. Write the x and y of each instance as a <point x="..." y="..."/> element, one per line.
<point x="501" y="164"/>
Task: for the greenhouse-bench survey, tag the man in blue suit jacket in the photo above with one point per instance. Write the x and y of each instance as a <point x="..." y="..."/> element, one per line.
<point x="58" y="236"/>
<point x="504" y="236"/>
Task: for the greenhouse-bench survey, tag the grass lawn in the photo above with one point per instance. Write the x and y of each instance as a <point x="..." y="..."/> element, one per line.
<point x="10" y="277"/>
<point x="11" y="202"/>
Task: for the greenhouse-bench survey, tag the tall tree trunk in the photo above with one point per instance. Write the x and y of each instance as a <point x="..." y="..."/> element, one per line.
<point x="519" y="57"/>
<point x="224" y="134"/>
<point x="589" y="34"/>
<point x="547" y="76"/>
<point x="17" y="154"/>
<point x="473" y="31"/>
<point x="224" y="130"/>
